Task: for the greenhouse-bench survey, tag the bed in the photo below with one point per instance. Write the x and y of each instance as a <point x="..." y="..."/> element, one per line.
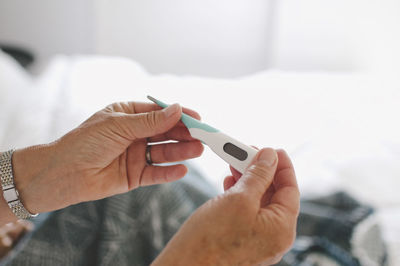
<point x="341" y="129"/>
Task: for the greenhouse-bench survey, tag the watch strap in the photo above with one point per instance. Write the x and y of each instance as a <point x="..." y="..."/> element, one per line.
<point x="10" y="192"/>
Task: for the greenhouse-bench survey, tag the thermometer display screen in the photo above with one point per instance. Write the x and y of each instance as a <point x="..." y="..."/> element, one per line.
<point x="235" y="151"/>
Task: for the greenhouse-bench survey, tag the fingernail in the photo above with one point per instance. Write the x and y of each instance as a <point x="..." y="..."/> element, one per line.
<point x="268" y="156"/>
<point x="171" y="110"/>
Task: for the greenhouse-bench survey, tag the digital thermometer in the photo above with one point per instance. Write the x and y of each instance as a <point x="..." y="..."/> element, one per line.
<point x="235" y="153"/>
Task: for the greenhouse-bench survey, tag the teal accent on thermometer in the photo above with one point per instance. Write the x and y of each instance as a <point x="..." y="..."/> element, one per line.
<point x="235" y="153"/>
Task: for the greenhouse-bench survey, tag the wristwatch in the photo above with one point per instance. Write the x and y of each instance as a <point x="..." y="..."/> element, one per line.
<point x="10" y="193"/>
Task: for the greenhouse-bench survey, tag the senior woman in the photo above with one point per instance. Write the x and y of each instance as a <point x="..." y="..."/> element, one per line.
<point x="253" y="222"/>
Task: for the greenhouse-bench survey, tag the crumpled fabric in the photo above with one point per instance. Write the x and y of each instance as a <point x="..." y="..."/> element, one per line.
<point x="127" y="229"/>
<point x="336" y="230"/>
<point x="133" y="228"/>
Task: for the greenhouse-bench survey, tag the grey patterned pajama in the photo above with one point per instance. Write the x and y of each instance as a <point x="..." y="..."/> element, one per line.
<point x="132" y="229"/>
<point x="127" y="229"/>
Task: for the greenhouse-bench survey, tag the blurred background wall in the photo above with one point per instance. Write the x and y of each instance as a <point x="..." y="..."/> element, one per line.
<point x="48" y="27"/>
<point x="212" y="38"/>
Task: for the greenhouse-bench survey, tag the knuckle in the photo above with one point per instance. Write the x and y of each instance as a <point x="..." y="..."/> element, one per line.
<point x="259" y="174"/>
<point x="112" y="107"/>
<point x="260" y="171"/>
<point x="151" y="119"/>
<point x="115" y="122"/>
<point x="111" y="118"/>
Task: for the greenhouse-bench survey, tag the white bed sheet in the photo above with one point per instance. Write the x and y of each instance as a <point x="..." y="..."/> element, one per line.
<point x="341" y="130"/>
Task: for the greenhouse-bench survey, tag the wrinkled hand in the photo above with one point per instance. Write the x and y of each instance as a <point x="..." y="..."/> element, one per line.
<point x="253" y="222"/>
<point x="105" y="156"/>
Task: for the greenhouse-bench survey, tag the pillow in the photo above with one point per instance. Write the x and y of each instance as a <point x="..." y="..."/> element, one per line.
<point x="12" y="77"/>
<point x="15" y="83"/>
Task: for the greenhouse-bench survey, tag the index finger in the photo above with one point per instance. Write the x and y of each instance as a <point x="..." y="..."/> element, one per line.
<point x="139" y="107"/>
<point x="287" y="191"/>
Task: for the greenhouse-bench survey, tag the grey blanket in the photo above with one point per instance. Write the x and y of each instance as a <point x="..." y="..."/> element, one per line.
<point x="132" y="229"/>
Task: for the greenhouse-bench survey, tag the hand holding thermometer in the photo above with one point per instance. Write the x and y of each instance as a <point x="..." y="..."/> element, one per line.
<point x="235" y="153"/>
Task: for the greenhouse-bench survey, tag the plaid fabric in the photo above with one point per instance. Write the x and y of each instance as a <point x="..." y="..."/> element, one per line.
<point x="328" y="233"/>
<point x="127" y="229"/>
<point x="132" y="228"/>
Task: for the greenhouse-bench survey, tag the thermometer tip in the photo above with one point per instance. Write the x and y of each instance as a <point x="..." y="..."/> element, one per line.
<point x="151" y="98"/>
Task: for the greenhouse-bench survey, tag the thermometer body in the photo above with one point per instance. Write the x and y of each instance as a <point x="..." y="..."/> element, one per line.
<point x="235" y="153"/>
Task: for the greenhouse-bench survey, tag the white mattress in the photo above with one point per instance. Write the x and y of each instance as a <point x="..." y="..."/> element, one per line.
<point x="341" y="130"/>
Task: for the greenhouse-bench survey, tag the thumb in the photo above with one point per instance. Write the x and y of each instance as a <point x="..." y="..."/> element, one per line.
<point x="259" y="175"/>
<point x="144" y="125"/>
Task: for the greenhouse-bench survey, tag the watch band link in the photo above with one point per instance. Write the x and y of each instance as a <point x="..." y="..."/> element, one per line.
<point x="10" y="192"/>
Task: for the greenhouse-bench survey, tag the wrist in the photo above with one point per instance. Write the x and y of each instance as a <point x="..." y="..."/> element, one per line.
<point x="35" y="178"/>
